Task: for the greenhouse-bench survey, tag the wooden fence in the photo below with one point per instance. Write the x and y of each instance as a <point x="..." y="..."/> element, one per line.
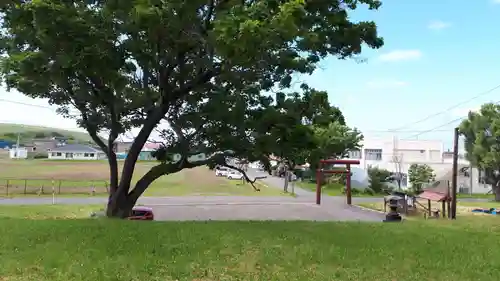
<point x="55" y="186"/>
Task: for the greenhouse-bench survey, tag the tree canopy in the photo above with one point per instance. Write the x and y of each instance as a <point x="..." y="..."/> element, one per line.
<point x="203" y="68"/>
<point x="419" y="175"/>
<point x="482" y="143"/>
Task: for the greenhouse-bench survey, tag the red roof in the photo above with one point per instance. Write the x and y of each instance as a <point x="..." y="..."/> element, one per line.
<point x="433" y="196"/>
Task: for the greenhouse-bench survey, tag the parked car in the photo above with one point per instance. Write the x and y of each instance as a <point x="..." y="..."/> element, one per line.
<point x="221" y="171"/>
<point x="234" y="175"/>
<point x="141" y="213"/>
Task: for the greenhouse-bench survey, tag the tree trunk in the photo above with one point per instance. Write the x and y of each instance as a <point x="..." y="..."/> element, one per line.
<point x="496" y="191"/>
<point x="120" y="206"/>
<point x="287" y="179"/>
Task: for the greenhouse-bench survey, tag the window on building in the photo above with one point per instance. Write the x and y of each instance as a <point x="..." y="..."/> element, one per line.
<point x="355" y="154"/>
<point x="58" y="154"/>
<point x="91" y="154"/>
<point x="373" y="154"/>
<point x="85" y="155"/>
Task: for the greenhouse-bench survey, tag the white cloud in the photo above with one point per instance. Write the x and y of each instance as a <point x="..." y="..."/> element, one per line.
<point x="401" y="55"/>
<point x="439" y="25"/>
<point x="386" y="84"/>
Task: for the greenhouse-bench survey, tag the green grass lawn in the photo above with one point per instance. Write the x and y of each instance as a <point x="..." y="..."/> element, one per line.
<point x="46" y="249"/>
<point x="44" y="212"/>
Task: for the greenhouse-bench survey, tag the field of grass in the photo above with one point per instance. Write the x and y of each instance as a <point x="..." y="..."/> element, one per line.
<point x="10" y="131"/>
<point x="45" y="212"/>
<point x="46" y="249"/>
<point x="39" y="177"/>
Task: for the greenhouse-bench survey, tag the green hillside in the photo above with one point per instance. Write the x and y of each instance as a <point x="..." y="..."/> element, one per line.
<point x="28" y="132"/>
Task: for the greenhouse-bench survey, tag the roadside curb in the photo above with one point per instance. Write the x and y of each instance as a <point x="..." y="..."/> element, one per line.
<point x="368" y="209"/>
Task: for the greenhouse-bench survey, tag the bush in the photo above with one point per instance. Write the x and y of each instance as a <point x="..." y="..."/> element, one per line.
<point x="41" y="156"/>
<point x="369" y="191"/>
<point x="353" y="191"/>
<point x="378" y="179"/>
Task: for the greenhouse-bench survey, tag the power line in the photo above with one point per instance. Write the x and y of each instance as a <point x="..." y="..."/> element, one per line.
<point x="446" y="110"/>
<point x="27" y="104"/>
<point x="436" y="128"/>
<point x="418" y="133"/>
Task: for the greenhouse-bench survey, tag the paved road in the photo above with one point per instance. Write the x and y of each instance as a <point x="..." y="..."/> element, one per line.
<point x="231" y="208"/>
<point x="239" y="207"/>
<point x="278" y="183"/>
<point x="264" y="212"/>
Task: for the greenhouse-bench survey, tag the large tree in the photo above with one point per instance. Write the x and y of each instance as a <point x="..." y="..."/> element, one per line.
<point x="202" y="67"/>
<point x="482" y="143"/>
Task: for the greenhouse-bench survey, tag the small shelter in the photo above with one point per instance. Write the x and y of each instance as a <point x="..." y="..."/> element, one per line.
<point x="439" y="191"/>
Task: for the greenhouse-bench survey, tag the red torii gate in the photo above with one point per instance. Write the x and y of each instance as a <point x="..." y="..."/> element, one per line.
<point x="320" y="172"/>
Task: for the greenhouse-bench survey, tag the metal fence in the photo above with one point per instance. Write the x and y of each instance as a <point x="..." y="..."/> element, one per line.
<point x="52" y="186"/>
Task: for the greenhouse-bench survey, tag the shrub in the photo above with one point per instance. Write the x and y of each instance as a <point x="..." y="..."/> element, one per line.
<point x="41" y="156"/>
<point x="378" y="179"/>
<point x="369" y="191"/>
<point x="353" y="190"/>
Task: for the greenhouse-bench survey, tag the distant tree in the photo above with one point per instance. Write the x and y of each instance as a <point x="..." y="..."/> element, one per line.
<point x="57" y="134"/>
<point x="420" y="174"/>
<point x="482" y="143"/>
<point x="39" y="135"/>
<point x="378" y="179"/>
<point x="333" y="141"/>
<point x="203" y="68"/>
<point x="305" y="125"/>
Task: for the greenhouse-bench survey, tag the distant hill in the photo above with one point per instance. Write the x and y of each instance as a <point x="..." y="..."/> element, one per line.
<point x="28" y="132"/>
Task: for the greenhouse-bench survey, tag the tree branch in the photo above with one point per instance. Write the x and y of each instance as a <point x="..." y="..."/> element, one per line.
<point x="247" y="179"/>
<point x="170" y="168"/>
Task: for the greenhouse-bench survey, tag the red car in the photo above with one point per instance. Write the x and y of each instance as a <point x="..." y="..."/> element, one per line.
<point x="141" y="213"/>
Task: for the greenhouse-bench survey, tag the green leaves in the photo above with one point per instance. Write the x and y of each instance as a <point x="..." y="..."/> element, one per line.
<point x="201" y="67"/>
<point x="482" y="140"/>
<point x="333" y="142"/>
<point x="419" y="175"/>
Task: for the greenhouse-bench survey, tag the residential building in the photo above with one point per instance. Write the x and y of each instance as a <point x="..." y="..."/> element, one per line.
<point x="46" y="144"/>
<point x="18" y="153"/>
<point x="122" y="149"/>
<point x="76" y="152"/>
<point x="397" y="155"/>
<point x="122" y="146"/>
<point x="5" y="144"/>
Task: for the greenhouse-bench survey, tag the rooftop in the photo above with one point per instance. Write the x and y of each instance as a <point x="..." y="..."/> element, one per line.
<point x="76" y="148"/>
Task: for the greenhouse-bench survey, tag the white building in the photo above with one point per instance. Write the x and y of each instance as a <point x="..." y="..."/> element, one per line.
<point x="18" y="153"/>
<point x="398" y="155"/>
<point x="76" y="152"/>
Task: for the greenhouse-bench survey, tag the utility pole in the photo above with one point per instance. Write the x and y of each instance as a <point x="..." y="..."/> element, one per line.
<point x="397" y="159"/>
<point x="454" y="177"/>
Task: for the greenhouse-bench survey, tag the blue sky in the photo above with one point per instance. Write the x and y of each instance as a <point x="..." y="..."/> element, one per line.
<point x="437" y="53"/>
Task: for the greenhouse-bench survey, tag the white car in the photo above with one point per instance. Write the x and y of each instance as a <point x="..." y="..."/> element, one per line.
<point x="221" y="172"/>
<point x="234" y="175"/>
